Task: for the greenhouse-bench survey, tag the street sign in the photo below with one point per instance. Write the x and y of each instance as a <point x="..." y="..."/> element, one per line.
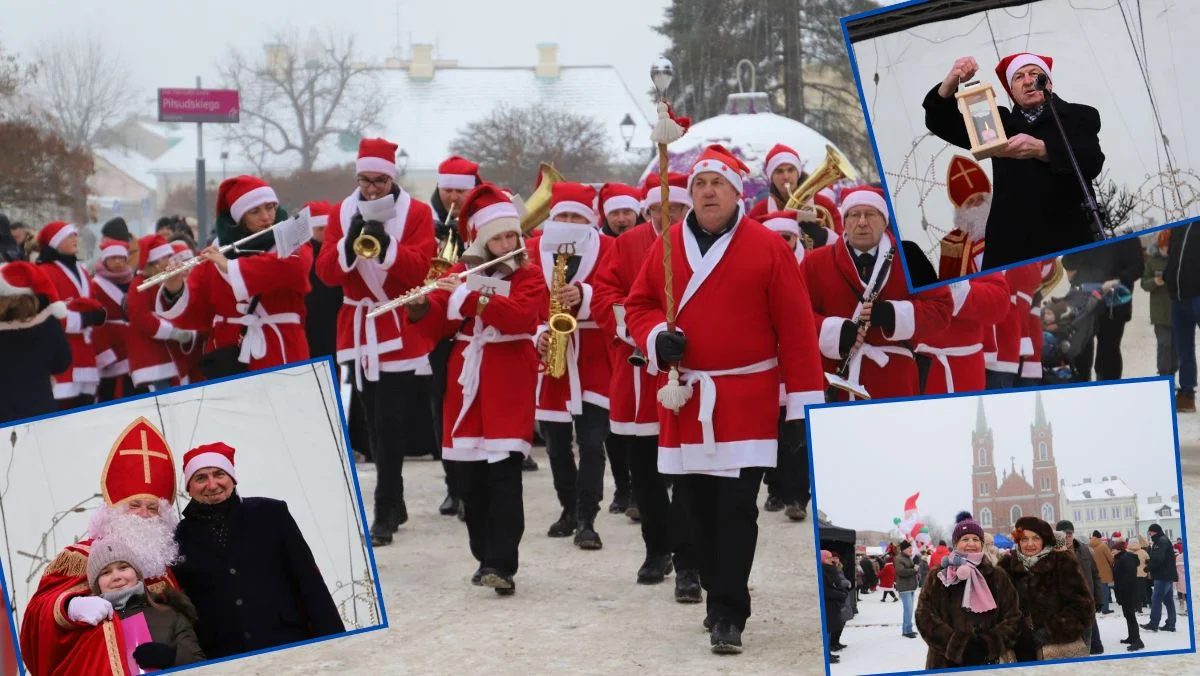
<point x="198" y="105"/>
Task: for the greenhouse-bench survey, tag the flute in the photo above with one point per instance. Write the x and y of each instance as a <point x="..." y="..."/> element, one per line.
<point x="428" y="288"/>
<point x="193" y="262"/>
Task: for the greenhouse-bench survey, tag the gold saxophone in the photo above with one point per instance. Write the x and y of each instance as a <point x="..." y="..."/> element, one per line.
<point x="562" y="324"/>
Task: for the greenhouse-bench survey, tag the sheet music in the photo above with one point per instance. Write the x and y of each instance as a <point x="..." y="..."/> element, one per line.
<point x="489" y="286"/>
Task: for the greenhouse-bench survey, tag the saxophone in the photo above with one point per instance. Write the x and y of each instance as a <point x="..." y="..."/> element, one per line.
<point x="562" y="324"/>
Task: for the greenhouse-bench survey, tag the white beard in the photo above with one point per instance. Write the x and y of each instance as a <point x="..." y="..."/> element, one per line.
<point x="973" y="220"/>
<point x="153" y="539"/>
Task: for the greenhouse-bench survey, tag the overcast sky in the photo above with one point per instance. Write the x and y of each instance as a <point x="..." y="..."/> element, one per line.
<point x="869" y="458"/>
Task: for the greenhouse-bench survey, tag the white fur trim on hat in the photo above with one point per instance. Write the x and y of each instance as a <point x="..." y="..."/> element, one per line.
<point x="318" y="221"/>
<point x="203" y="460"/>
<point x="621" y="202"/>
<point x="492" y="212"/>
<point x="63" y="233"/>
<point x="783" y="158"/>
<point x="677" y="195"/>
<point x="716" y="166"/>
<point x="456" y="181"/>
<point x="577" y="208"/>
<point x="784" y="225"/>
<point x="114" y="250"/>
<point x="860" y="198"/>
<point x="375" y="164"/>
<point x="160" y="252"/>
<point x="1025" y="60"/>
<point x="259" y="196"/>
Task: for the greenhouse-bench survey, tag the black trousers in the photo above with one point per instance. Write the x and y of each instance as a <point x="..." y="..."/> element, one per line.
<point x="437" y="395"/>
<point x="580" y="489"/>
<point x="788" y="480"/>
<point x="666" y="524"/>
<point x="996" y="380"/>
<point x="618" y="464"/>
<point x="114" y="388"/>
<point x="725" y="522"/>
<point x="1129" y="610"/>
<point x="384" y="402"/>
<point x="75" y="402"/>
<point x="1105" y="349"/>
<point x="836" y="625"/>
<point x="356" y="420"/>
<point x="495" y="510"/>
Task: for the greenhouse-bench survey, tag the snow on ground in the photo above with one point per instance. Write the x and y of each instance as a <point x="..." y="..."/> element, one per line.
<point x="874" y="644"/>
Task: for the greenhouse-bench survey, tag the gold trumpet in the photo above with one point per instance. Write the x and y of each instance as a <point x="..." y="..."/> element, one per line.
<point x="366" y="245"/>
<point x="562" y="324"/>
<point x="537" y="207"/>
<point x="447" y="254"/>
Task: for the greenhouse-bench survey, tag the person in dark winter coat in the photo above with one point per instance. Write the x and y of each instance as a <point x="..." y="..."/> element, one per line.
<point x="870" y="577"/>
<point x="323" y="301"/>
<point x="1183" y="284"/>
<point x="1091" y="575"/>
<point x="964" y="629"/>
<point x="1128" y="591"/>
<point x="32" y="341"/>
<point x="1057" y="608"/>
<point x="1163" y="576"/>
<point x="906" y="586"/>
<point x="10" y="249"/>
<point x="245" y="564"/>
<point x="1118" y="263"/>
<point x="835" y="597"/>
<point x="1037" y="204"/>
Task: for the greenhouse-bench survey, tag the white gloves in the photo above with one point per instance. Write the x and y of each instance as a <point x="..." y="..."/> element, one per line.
<point x="89" y="609"/>
<point x="183" y="336"/>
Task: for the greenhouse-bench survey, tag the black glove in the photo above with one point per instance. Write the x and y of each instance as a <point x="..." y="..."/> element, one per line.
<point x="375" y="229"/>
<point x="847" y="338"/>
<point x="883" y="315"/>
<point x="975" y="653"/>
<point x="154" y="656"/>
<point x="441" y="231"/>
<point x="93" y="317"/>
<point x="669" y="347"/>
<point x="356" y="228"/>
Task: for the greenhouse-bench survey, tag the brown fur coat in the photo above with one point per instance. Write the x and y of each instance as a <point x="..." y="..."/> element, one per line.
<point x="947" y="627"/>
<point x="1055" y="602"/>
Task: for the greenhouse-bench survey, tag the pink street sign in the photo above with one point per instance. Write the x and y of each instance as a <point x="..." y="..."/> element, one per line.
<point x="198" y="105"/>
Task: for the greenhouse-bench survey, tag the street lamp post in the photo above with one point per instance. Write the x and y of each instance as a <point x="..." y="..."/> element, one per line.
<point x="402" y="162"/>
<point x="627" y="126"/>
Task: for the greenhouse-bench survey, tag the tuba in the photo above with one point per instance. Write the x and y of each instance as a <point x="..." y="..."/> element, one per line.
<point x="562" y="324"/>
<point x="833" y="169"/>
<point x="537" y="207"/>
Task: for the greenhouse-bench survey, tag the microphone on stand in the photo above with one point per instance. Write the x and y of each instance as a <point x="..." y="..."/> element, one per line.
<point x="1041" y="82"/>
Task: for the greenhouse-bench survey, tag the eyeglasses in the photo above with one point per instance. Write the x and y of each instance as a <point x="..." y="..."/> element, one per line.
<point x="864" y="215"/>
<point x="382" y="182"/>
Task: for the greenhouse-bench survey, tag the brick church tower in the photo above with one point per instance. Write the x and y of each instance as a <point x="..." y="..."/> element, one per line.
<point x="1045" y="469"/>
<point x="983" y="470"/>
<point x="998" y="501"/>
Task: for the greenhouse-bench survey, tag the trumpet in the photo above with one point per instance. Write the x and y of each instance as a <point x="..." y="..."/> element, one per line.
<point x="430" y="286"/>
<point x="366" y="245"/>
<point x="193" y="262"/>
<point x="447" y="254"/>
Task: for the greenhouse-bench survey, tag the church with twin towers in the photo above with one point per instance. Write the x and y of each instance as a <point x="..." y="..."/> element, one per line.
<point x="1000" y="497"/>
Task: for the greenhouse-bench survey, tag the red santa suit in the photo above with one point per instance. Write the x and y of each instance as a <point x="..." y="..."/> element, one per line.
<point x="387" y="343"/>
<point x="262" y="294"/>
<point x="958" y="352"/>
<point x="588" y="370"/>
<point x="139" y="465"/>
<point x="884" y="364"/>
<point x="153" y="355"/>
<point x="112" y="355"/>
<point x="1031" y="368"/>
<point x="776" y="157"/>
<point x="1012" y="341"/>
<point x="74" y="288"/>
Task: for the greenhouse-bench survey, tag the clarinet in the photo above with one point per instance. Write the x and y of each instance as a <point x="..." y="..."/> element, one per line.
<point x="860" y="323"/>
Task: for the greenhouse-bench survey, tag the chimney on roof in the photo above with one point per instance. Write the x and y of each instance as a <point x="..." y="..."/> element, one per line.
<point x="547" y="65"/>
<point x="421" y="66"/>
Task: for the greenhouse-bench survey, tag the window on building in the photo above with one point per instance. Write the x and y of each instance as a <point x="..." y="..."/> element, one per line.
<point x="983" y="489"/>
<point x="1078" y="515"/>
<point x="1128" y="512"/>
<point x="1043" y="451"/>
<point x="1048" y="513"/>
<point x="982" y="456"/>
<point x="1087" y="494"/>
<point x="1015" y="514"/>
<point x="1045" y="483"/>
<point x="1109" y="492"/>
<point x="1103" y="513"/>
<point x="1091" y="513"/>
<point x="985" y="517"/>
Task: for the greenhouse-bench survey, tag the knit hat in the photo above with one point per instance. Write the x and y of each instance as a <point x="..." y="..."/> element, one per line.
<point x="116" y="228"/>
<point x="486" y="212"/>
<point x="105" y="552"/>
<point x="53" y="234"/>
<point x="20" y="278"/>
<point x="152" y="248"/>
<point x="1154" y="528"/>
<point x="1009" y="65"/>
<point x="216" y="455"/>
<point x="376" y="155"/>
<point x="718" y="159"/>
<point x="905" y="545"/>
<point x="1034" y="525"/>
<point x="238" y="195"/>
<point x="1065" y="526"/>
<point x="457" y="173"/>
<point x="864" y="195"/>
<point x="965" y="524"/>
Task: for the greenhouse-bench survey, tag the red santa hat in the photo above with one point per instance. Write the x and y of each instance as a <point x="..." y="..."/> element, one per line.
<point x="139" y="465"/>
<point x="53" y="234"/>
<point x="218" y="455"/>
<point x="181" y="252"/>
<point x="1009" y="65"/>
<point x="318" y="213"/>
<point x="717" y="159"/>
<point x="376" y="155"/>
<point x="113" y="248"/>
<point x="240" y="194"/>
<point x="21" y="278"/>
<point x="864" y="195"/>
<point x="615" y="196"/>
<point x="677" y="194"/>
<point x="152" y="248"/>
<point x="573" y="198"/>
<point x="782" y="221"/>
<point x="780" y="155"/>
<point x="826" y="206"/>
<point x="965" y="179"/>
<point x="457" y="173"/>
<point x="487" y="211"/>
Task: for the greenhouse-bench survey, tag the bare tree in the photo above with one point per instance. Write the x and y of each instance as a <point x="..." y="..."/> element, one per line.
<point x="510" y="143"/>
<point x="297" y="95"/>
<point x="83" y="88"/>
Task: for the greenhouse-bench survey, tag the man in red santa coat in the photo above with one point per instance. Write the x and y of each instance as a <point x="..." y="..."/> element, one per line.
<point x="726" y="433"/>
<point x="784" y="171"/>
<point x="579" y="398"/>
<point x="386" y="353"/>
<point x="971" y="194"/>
<point x="63" y="631"/>
<point x="841" y="277"/>
<point x="59" y="243"/>
<point x="633" y="409"/>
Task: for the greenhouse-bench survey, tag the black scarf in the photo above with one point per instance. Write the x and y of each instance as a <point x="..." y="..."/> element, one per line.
<point x="50" y="255"/>
<point x="217" y="519"/>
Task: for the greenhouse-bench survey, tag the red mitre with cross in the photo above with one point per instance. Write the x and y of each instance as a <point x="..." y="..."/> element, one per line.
<point x="965" y="179"/>
<point x="140" y="465"/>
